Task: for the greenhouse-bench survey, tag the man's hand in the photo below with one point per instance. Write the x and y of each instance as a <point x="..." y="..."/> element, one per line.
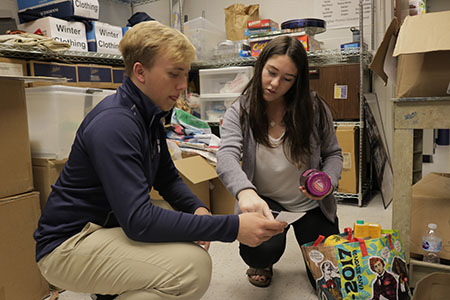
<point x="255" y="229"/>
<point x="249" y="201"/>
<point x="203" y="211"/>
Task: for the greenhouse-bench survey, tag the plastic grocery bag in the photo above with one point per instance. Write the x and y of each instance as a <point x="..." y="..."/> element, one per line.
<point x="360" y="269"/>
<point x="191" y="124"/>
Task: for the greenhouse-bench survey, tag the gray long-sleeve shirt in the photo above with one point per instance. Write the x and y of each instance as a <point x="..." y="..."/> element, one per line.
<point x="237" y="145"/>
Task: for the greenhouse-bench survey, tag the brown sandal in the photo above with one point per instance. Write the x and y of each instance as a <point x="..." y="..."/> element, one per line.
<point x="267" y="272"/>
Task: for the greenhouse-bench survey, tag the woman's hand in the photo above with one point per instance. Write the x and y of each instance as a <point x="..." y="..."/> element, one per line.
<point x="202" y="211"/>
<point x="249" y="201"/>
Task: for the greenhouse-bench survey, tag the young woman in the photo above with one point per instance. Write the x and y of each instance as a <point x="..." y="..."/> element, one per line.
<point x="275" y="131"/>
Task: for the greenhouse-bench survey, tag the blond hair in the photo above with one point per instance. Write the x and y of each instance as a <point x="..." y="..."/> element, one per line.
<point x="145" y="40"/>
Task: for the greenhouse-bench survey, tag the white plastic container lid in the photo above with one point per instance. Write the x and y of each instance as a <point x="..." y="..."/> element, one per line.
<point x="225" y="70"/>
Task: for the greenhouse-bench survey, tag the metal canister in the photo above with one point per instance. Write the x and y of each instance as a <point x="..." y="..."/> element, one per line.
<point x="316" y="182"/>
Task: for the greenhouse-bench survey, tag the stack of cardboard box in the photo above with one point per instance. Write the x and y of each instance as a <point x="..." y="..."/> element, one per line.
<point x="19" y="205"/>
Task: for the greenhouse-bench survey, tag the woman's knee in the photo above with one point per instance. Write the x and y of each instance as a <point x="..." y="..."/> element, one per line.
<point x="264" y="255"/>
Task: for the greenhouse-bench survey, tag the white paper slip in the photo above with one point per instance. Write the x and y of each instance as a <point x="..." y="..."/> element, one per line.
<point x="289" y="217"/>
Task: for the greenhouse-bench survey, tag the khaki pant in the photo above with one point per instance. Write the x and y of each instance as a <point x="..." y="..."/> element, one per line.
<point x="105" y="261"/>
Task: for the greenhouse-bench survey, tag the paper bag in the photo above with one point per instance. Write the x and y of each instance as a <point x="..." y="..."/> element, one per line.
<point x="236" y="18"/>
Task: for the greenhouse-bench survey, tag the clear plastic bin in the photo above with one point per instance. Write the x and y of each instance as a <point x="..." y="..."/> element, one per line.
<point x="213" y="107"/>
<point x="205" y="36"/>
<point x="230" y="49"/>
<point x="224" y="80"/>
<point x="54" y="115"/>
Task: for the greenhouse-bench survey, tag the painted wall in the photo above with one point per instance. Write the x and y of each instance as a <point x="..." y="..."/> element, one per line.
<point x="114" y="13"/>
<point x="11" y="5"/>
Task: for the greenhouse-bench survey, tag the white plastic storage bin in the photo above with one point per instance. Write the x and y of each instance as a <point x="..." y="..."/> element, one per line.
<point x="205" y="36"/>
<point x="213" y="107"/>
<point x="224" y="80"/>
<point x="54" y="115"/>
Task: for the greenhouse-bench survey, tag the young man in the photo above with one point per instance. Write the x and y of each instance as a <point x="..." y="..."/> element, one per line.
<point x="99" y="232"/>
<point x="385" y="285"/>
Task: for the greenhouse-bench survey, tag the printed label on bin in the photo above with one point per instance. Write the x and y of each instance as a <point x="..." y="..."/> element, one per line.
<point x="107" y="38"/>
<point x="340" y="91"/>
<point x="86" y="8"/>
<point x="55" y="70"/>
<point x="72" y="33"/>
<point x="347" y="162"/>
<point x="61" y="9"/>
<point x="94" y="74"/>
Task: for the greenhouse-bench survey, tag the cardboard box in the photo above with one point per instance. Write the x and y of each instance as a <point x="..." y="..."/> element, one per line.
<point x="11" y="66"/>
<point x="104" y="38"/>
<point x="258" y="44"/>
<point x="201" y="178"/>
<point x="20" y="277"/>
<point x="339" y="85"/>
<point x="434" y="286"/>
<point x="63" y="9"/>
<point x="15" y="155"/>
<point x="222" y="202"/>
<point x="263" y="23"/>
<point x="95" y="76"/>
<point x="423" y="52"/>
<point x="348" y="139"/>
<point x="431" y="204"/>
<point x="72" y="33"/>
<point x="52" y="69"/>
<point x="45" y="173"/>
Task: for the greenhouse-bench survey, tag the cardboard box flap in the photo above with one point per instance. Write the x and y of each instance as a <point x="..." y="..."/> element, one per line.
<point x="196" y="169"/>
<point x="424" y="33"/>
<point x="433" y="185"/>
<point x="377" y="64"/>
<point x="346" y="128"/>
<point x="434" y="286"/>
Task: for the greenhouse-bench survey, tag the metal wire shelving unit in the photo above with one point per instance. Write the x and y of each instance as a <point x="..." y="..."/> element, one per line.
<point x="315" y="58"/>
<point x="69" y="56"/>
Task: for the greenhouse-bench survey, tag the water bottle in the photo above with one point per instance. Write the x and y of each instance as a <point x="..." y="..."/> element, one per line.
<point x="431" y="244"/>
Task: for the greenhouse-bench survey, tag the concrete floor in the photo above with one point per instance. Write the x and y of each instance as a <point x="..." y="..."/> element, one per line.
<point x="289" y="281"/>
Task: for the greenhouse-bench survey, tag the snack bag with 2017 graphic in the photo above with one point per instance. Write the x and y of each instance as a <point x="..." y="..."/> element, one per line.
<point x="361" y="269"/>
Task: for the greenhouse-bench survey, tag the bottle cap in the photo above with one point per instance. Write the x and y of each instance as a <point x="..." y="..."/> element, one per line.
<point x="360" y="222"/>
<point x="316" y="182"/>
<point x="432" y="226"/>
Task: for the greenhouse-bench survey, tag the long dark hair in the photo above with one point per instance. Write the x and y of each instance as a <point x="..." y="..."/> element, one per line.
<point x="302" y="111"/>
